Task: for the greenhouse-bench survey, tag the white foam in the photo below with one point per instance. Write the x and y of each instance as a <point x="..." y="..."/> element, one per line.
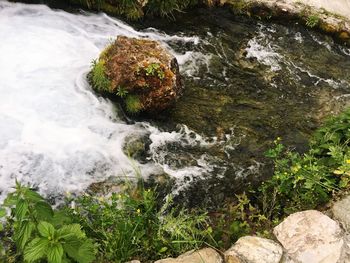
<point x="54" y="132"/>
<point x="261" y="48"/>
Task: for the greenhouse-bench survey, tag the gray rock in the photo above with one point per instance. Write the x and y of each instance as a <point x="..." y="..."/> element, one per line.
<point x="251" y="249"/>
<point x="310" y="237"/>
<point x="340" y="210"/>
<point x="206" y="255"/>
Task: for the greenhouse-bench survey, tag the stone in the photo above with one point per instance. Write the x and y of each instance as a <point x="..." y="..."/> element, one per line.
<point x="251" y="249"/>
<point x="134" y="261"/>
<point x="340" y="211"/>
<point x="140" y="72"/>
<point x="137" y="147"/>
<point x="310" y="237"/>
<point x="205" y="255"/>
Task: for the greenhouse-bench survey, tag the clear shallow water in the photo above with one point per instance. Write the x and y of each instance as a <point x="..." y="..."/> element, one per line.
<point x="246" y="83"/>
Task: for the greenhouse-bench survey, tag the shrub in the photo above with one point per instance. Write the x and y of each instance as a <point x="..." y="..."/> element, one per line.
<point x="37" y="232"/>
<point x="304" y="181"/>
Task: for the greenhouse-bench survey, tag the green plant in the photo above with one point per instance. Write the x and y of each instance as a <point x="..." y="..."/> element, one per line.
<point x="40" y="233"/>
<point x="133" y="104"/>
<point x="122" y="92"/>
<point x="135" y="9"/>
<point x="98" y="77"/>
<point x="131" y="225"/>
<point x="238" y="218"/>
<point x="154" y="69"/>
<point x="312" y="21"/>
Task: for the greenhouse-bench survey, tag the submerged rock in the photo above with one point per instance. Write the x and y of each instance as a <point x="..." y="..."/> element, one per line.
<point x="139" y="71"/>
<point x="311" y="237"/>
<point x="254" y="250"/>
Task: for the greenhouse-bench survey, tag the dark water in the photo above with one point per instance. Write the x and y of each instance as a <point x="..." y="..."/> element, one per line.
<point x="253" y="81"/>
<point x="246" y="83"/>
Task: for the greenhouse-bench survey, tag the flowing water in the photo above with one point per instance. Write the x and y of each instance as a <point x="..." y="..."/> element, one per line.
<point x="246" y="83"/>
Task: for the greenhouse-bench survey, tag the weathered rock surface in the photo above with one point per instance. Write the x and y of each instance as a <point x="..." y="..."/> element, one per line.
<point x="141" y="72"/>
<point x="341" y="212"/>
<point x="254" y="250"/>
<point x="311" y="237"/>
<point x="332" y="17"/>
<point x="206" y="255"/>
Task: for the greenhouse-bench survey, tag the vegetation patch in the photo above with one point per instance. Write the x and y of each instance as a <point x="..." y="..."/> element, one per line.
<point x="98" y="76"/>
<point x="34" y="232"/>
<point x="121" y="227"/>
<point x="299" y="182"/>
<point x="312" y="21"/>
<point x="133" y="104"/>
<point x="135" y="9"/>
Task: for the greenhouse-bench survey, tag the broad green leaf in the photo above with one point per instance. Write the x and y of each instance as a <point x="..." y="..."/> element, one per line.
<point x="1" y="227"/>
<point x="70" y="230"/>
<point x="60" y="218"/>
<point x="66" y="260"/>
<point x="32" y="195"/>
<point x="10" y="200"/>
<point x="43" y="211"/>
<point x="71" y="247"/>
<point x="55" y="253"/>
<point x="2" y="212"/>
<point x="21" y="209"/>
<point x="86" y="252"/>
<point x="36" y="249"/>
<point x="46" y="229"/>
<point x="23" y="233"/>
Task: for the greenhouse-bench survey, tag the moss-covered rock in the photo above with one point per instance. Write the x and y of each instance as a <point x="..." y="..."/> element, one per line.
<point x="142" y="73"/>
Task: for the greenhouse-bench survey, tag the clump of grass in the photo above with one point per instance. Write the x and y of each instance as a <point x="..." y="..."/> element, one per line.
<point x="133" y="104"/>
<point x="312" y="21"/>
<point x="131" y="225"/>
<point x="98" y="77"/>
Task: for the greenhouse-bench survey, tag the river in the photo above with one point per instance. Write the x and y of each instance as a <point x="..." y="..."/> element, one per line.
<point x="246" y="83"/>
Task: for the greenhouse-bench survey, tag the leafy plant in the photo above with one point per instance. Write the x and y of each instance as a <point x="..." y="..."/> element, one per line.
<point x="131" y="225"/>
<point x="154" y="69"/>
<point x="238" y="218"/>
<point x="312" y="21"/>
<point x="40" y="233"/>
<point x="122" y="92"/>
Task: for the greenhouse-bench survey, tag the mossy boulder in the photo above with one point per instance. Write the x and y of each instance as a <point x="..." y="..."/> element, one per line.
<point x="141" y="72"/>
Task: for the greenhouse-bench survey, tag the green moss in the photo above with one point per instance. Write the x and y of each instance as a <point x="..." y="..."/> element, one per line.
<point x="133" y="104"/>
<point x="312" y="21"/>
<point x="98" y="77"/>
